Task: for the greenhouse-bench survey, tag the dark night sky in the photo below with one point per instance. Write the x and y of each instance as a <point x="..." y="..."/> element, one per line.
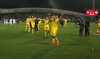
<point x="73" y="5"/>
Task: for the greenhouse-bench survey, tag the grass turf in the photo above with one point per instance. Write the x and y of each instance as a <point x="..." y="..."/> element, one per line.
<point x="17" y="44"/>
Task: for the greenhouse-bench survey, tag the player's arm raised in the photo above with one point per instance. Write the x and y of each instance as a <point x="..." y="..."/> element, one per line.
<point x="61" y="16"/>
<point x="49" y="16"/>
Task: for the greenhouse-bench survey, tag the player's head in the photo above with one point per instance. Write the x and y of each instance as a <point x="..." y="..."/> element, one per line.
<point x="32" y="16"/>
<point x="56" y="16"/>
<point x="46" y="18"/>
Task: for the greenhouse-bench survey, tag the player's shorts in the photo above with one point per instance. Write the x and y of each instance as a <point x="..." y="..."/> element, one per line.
<point x="27" y="25"/>
<point x="46" y="27"/>
<point x="65" y="23"/>
<point x="54" y="32"/>
<point x="33" y="25"/>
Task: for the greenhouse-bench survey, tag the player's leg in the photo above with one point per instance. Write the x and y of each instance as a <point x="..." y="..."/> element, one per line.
<point x="33" y="28"/>
<point x="57" y="38"/>
<point x="45" y="31"/>
<point x="66" y="24"/>
<point x="26" y="28"/>
<point x="54" y="38"/>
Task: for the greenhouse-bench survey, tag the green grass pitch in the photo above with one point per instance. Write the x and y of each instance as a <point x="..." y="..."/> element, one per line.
<point x="17" y="44"/>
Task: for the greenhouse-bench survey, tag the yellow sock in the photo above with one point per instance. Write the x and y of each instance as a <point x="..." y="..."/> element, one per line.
<point x="45" y="32"/>
<point x="53" y="40"/>
<point x="28" y="29"/>
<point x="56" y="39"/>
<point x="25" y="29"/>
<point x="32" y="30"/>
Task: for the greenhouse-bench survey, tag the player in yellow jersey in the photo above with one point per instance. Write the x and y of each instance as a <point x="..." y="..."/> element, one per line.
<point x="46" y="26"/>
<point x="33" y="23"/>
<point x="28" y="24"/>
<point x="65" y="23"/>
<point x="54" y="28"/>
<point x="98" y="30"/>
<point x="39" y="23"/>
<point x="51" y="26"/>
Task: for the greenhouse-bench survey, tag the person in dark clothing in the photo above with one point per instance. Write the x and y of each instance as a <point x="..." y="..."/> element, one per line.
<point x="30" y="26"/>
<point x="87" y="25"/>
<point x="36" y="25"/>
<point x="62" y="22"/>
<point x="81" y="24"/>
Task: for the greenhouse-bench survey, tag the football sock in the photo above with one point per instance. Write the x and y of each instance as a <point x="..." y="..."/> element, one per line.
<point x="28" y="29"/>
<point x="25" y="29"/>
<point x="53" y="40"/>
<point x="32" y="30"/>
<point x="56" y="39"/>
<point x="45" y="32"/>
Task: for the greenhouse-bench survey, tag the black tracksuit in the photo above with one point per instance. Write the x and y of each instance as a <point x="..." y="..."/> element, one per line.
<point x="36" y="25"/>
<point x="81" y="28"/>
<point x="62" y="22"/>
<point x="87" y="25"/>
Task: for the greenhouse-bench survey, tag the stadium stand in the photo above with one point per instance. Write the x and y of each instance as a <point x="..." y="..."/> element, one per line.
<point x="23" y="13"/>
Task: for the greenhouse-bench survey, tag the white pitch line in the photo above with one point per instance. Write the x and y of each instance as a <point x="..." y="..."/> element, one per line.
<point x="94" y="33"/>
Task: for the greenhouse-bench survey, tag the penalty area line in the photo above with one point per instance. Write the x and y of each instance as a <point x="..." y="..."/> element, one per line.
<point x="94" y="33"/>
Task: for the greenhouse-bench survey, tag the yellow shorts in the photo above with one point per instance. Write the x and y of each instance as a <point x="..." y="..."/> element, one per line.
<point x="53" y="32"/>
<point x="27" y="25"/>
<point x="46" y="27"/>
<point x="33" y="25"/>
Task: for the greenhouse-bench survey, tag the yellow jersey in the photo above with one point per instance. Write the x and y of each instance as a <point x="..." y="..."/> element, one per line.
<point x="46" y="22"/>
<point x="28" y="20"/>
<point x="55" y="24"/>
<point x="65" y="21"/>
<point x="99" y="25"/>
<point x="33" y="20"/>
<point x="40" y="21"/>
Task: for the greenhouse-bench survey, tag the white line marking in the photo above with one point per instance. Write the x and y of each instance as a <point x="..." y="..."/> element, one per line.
<point x="94" y="33"/>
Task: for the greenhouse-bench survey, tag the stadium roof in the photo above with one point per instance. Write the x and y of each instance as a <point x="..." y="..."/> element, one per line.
<point x="20" y="10"/>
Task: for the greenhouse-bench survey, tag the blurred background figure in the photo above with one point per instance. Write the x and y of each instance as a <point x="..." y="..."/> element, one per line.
<point x="98" y="29"/>
<point x="78" y="21"/>
<point x="87" y="25"/>
<point x="39" y="23"/>
<point x="81" y="24"/>
<point x="65" y="23"/>
<point x="36" y="24"/>
<point x="62" y="22"/>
